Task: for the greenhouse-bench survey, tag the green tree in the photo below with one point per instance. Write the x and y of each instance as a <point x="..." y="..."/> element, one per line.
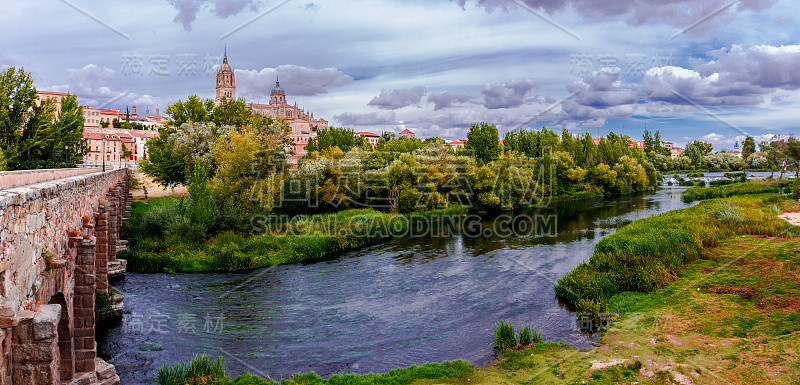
<point x="194" y="109"/>
<point x="484" y="142"/>
<point x="69" y="133"/>
<point x="234" y="113"/>
<point x="793" y="154"/>
<point x="163" y="163"/>
<point x="696" y="151"/>
<point x="748" y="147"/>
<point x="328" y="138"/>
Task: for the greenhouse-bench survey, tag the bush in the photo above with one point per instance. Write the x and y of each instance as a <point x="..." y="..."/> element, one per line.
<point x="504" y="337"/>
<point x="695" y="175"/>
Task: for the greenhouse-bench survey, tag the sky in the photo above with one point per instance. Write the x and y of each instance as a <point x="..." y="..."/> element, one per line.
<point x="711" y="70"/>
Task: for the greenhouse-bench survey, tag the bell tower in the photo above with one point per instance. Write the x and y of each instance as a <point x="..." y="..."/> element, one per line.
<point x="226" y="83"/>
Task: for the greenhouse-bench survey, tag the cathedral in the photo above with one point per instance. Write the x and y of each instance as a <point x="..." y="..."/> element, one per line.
<point x="303" y="123"/>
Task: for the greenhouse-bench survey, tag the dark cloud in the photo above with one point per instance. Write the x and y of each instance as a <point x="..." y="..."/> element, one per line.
<point x="368" y="119"/>
<point x="599" y="97"/>
<point x="506" y="95"/>
<point x="762" y="66"/>
<point x="188" y="9"/>
<point x="396" y="99"/>
<point x="296" y="80"/>
<point x="676" y="85"/>
<point x="677" y="13"/>
<point x="447" y="99"/>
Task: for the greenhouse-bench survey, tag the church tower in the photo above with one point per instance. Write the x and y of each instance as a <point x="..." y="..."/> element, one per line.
<point x="226" y="83"/>
<point x="277" y="97"/>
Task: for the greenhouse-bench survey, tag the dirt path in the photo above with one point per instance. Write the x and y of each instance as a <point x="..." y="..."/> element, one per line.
<point x="793" y="218"/>
<point x="155" y="190"/>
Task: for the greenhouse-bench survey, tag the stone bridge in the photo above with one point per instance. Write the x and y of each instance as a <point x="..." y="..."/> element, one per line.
<point x="59" y="233"/>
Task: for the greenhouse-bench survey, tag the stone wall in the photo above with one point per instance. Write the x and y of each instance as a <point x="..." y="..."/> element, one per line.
<point x="55" y="239"/>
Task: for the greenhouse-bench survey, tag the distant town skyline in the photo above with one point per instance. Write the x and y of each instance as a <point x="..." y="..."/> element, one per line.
<point x="694" y="70"/>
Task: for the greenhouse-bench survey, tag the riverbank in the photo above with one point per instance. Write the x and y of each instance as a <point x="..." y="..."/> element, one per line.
<point x="730" y="316"/>
<point x="272" y="240"/>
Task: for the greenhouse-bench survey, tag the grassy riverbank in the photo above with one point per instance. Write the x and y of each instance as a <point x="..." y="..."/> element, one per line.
<point x="729" y="315"/>
<point x="273" y="241"/>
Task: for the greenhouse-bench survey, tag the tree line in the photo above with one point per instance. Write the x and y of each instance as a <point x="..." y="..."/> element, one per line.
<point x="35" y="135"/>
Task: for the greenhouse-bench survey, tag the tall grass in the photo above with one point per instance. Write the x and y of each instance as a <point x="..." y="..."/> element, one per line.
<point x="696" y="194"/>
<point x="201" y="370"/>
<point x="649" y="253"/>
<point x="206" y="370"/>
<point x="504" y="337"/>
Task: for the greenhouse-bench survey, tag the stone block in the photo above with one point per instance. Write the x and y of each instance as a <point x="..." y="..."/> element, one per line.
<point x="45" y="322"/>
<point x="104" y="370"/>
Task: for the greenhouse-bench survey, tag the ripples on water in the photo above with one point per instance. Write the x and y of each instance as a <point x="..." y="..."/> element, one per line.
<point x="407" y="301"/>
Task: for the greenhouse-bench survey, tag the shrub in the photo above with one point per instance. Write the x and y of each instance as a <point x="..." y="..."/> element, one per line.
<point x="504" y="337"/>
<point x="695" y="175"/>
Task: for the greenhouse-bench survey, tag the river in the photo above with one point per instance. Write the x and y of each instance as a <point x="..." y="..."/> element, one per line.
<point x="407" y="301"/>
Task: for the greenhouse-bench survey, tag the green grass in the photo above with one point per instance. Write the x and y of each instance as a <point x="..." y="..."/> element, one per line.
<point x="721" y="182"/>
<point x="650" y="253"/>
<point x="205" y="370"/>
<point x="696" y="194"/>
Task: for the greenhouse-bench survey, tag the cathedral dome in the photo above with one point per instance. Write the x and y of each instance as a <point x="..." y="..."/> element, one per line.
<point x="277" y="89"/>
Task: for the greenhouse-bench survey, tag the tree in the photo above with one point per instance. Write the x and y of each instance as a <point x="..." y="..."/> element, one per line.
<point x="793" y="154"/>
<point x="30" y="135"/>
<point x="484" y="142"/>
<point x="163" y="163"/>
<point x="234" y="113"/>
<point x="696" y="151"/>
<point x="193" y="109"/>
<point x="748" y="147"/>
<point x="328" y="138"/>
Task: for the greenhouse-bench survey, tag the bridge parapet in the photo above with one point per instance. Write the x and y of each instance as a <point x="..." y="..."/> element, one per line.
<point x="57" y="239"/>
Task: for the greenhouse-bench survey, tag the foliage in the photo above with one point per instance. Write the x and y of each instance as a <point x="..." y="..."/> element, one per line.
<point x="34" y="135"/>
<point x="484" y="142"/>
<point x="201" y="370"/>
<point x="328" y="138"/>
<point x="206" y="370"/>
<point x="163" y="162"/>
<point x="504" y="337"/>
<point x="696" y="194"/>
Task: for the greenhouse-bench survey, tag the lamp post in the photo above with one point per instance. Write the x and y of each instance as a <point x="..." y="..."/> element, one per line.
<point x="104" y="153"/>
<point x="66" y="156"/>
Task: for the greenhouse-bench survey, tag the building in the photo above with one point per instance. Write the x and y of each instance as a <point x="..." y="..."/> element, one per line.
<point x="371" y="138"/>
<point x="134" y="141"/>
<point x="42" y="96"/>
<point x="455" y="144"/>
<point x="226" y="81"/>
<point x="112" y="149"/>
<point x="407" y="134"/>
<point x="303" y="124"/>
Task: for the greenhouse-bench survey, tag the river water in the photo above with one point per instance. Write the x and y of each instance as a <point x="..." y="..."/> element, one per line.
<point x="406" y="301"/>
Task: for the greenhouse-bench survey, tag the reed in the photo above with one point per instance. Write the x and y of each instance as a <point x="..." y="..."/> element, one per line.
<point x="201" y="370"/>
<point x="504" y="337"/>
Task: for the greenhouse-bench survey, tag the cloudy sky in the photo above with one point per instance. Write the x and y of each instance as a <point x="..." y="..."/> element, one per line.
<point x="713" y="70"/>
